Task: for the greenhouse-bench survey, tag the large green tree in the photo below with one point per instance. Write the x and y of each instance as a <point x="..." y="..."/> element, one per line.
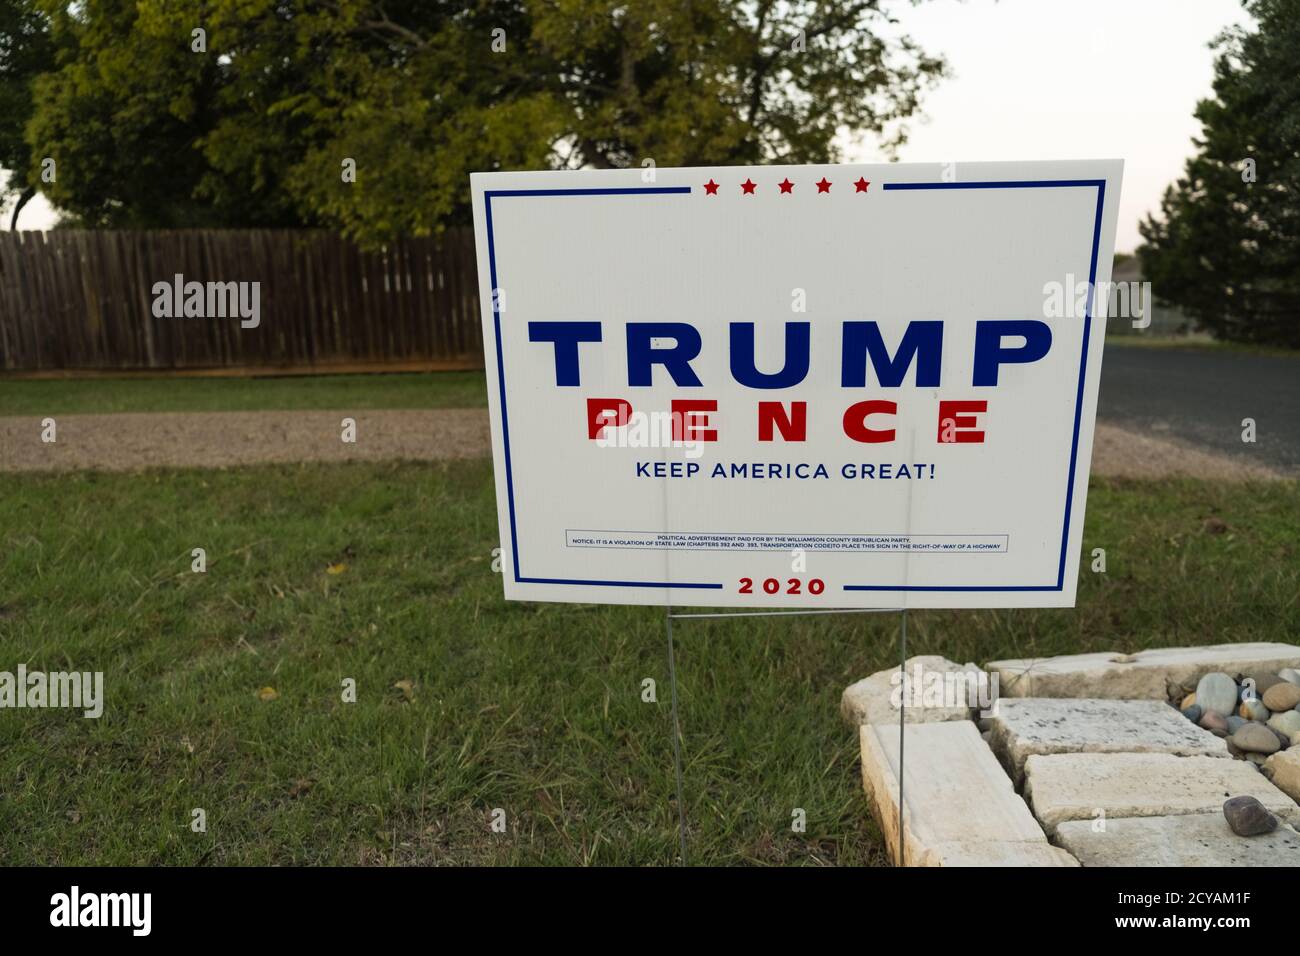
<point x="255" y="128"/>
<point x="26" y="51"/>
<point x="1225" y="245"/>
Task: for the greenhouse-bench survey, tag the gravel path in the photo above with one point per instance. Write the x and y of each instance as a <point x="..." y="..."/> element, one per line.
<point x="224" y="439"/>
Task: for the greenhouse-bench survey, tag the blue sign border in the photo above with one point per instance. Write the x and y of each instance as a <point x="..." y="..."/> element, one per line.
<point x="1098" y="184"/>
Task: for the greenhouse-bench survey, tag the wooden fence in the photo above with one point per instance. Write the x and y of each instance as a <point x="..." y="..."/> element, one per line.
<point x="73" y="299"/>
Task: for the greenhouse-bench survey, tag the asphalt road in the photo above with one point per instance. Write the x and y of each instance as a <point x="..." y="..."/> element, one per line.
<point x="1200" y="396"/>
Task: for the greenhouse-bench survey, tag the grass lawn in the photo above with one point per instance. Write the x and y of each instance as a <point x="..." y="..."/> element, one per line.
<point x="535" y="709"/>
<point x="102" y="395"/>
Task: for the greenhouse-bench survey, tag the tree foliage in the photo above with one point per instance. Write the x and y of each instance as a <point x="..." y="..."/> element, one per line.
<point x="1225" y="245"/>
<point x="254" y="129"/>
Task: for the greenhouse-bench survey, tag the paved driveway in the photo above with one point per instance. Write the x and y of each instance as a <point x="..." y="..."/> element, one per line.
<point x="1200" y="396"/>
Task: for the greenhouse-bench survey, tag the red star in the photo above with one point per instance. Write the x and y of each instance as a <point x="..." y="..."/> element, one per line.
<point x="711" y="188"/>
<point x="862" y="184"/>
<point x="823" y="186"/>
<point x="786" y="185"/>
<point x="748" y="186"/>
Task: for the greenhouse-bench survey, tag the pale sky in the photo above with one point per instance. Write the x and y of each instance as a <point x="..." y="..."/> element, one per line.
<point x="1049" y="79"/>
<point x="1068" y="79"/>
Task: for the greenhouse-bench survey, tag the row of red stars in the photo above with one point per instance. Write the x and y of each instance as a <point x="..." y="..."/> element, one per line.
<point x="748" y="186"/>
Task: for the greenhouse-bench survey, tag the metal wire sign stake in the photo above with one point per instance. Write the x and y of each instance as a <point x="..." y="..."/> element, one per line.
<point x="669" y="617"/>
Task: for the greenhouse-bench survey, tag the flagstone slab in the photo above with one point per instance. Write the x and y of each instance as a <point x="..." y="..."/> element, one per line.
<point x="1283" y="768"/>
<point x="1153" y="674"/>
<point x="1022" y="726"/>
<point x="1197" y="839"/>
<point x="876" y="699"/>
<point x="1063" y="787"/>
<point x="961" y="809"/>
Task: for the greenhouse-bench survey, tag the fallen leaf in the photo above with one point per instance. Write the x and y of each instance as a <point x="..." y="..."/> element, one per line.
<point x="267" y="693"/>
<point x="336" y="568"/>
<point x="300" y="788"/>
<point x="1215" y="526"/>
<point x="74" y="816"/>
<point x="407" y="688"/>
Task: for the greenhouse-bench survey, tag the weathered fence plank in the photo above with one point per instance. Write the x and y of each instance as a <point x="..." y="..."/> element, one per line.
<point x="81" y="299"/>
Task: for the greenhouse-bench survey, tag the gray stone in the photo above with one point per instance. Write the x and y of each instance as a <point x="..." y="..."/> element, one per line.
<point x="1236" y="723"/>
<point x="1145" y="675"/>
<point x="1201" y="839"/>
<point x="1217" y="692"/>
<point x="1287" y="722"/>
<point x="1062" y="787"/>
<point x="1282" y="696"/>
<point x="1022" y="726"/>
<point x="1192" y="713"/>
<point x="875" y="699"/>
<point x="1248" y="817"/>
<point x="1290" y="675"/>
<point x="961" y="808"/>
<point x="1256" y="739"/>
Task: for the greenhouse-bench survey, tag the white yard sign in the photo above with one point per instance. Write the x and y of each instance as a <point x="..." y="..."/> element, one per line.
<point x="821" y="386"/>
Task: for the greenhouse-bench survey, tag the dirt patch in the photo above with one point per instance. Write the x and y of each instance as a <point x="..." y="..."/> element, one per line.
<point x="1119" y="452"/>
<point x="226" y="439"/>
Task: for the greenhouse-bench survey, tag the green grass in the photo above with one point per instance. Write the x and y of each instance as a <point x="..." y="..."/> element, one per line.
<point x="142" y="394"/>
<point x="535" y="709"/>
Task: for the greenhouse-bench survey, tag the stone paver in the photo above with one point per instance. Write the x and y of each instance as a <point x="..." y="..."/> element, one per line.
<point x="1197" y="839"/>
<point x="1021" y="726"/>
<point x="874" y="699"/>
<point x="1150" y="675"/>
<point x="961" y="808"/>
<point x="1283" y="769"/>
<point x="1063" y="787"/>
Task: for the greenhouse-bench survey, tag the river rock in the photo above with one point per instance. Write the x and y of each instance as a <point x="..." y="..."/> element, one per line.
<point x="1252" y="709"/>
<point x="1248" y="817"/>
<point x="1283" y="740"/>
<point x="1282" y="696"/>
<point x="1290" y="675"/>
<point x="1217" y="692"/>
<point x="1235" y="723"/>
<point x="1215" y="723"/>
<point x="1263" y="681"/>
<point x="1192" y="713"/>
<point x="1287" y="722"/>
<point x="1256" y="739"/>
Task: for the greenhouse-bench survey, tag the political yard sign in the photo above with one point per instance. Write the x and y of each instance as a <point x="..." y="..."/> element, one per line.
<point x="795" y="386"/>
